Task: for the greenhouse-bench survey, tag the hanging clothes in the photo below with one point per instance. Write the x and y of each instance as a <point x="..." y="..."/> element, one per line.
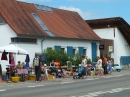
<point x="27" y="58"/>
<point x="11" y="60"/>
<point x="4" y="56"/>
<point x="27" y="65"/>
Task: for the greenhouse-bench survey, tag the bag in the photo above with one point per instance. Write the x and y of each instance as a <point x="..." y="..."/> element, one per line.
<point x="22" y="77"/>
<point x="36" y="62"/>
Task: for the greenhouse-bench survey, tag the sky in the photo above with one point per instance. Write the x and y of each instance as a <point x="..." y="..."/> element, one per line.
<point x="91" y="9"/>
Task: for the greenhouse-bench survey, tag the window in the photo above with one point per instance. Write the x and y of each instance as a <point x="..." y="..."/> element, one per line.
<point x="37" y="6"/>
<point x="84" y="52"/>
<point x="48" y="9"/>
<point x="42" y="24"/>
<point x="1" y="20"/>
<point x="23" y="40"/>
<point x="43" y="8"/>
<point x="63" y="49"/>
<point x="74" y="50"/>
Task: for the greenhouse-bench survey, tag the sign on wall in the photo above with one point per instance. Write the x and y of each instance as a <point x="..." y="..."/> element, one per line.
<point x="110" y="48"/>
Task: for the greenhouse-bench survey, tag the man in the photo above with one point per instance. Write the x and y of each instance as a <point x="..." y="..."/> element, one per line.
<point x="105" y="65"/>
<point x="37" y="65"/>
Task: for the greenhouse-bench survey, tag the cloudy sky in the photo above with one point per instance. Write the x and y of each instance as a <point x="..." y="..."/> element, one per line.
<point x="91" y="9"/>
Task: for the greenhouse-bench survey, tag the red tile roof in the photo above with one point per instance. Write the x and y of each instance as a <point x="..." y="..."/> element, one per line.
<point x="62" y="23"/>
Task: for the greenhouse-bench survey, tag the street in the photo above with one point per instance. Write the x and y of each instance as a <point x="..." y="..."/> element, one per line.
<point x="105" y="86"/>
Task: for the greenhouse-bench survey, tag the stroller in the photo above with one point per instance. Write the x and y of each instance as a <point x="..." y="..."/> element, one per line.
<point x="57" y="72"/>
<point x="79" y="74"/>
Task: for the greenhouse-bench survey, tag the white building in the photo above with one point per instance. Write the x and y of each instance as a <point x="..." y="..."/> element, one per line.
<point x="115" y="33"/>
<point x="34" y="29"/>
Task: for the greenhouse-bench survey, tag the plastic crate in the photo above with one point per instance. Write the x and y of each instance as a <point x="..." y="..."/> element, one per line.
<point x="15" y="79"/>
<point x="4" y="77"/>
<point x="32" y="77"/>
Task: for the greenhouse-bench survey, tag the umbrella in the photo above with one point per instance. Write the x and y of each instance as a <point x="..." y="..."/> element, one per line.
<point x="13" y="49"/>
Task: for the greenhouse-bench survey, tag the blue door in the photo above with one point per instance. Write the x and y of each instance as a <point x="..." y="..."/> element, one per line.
<point x="94" y="49"/>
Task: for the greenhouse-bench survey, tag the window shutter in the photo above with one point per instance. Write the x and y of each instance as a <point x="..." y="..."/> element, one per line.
<point x="70" y="50"/>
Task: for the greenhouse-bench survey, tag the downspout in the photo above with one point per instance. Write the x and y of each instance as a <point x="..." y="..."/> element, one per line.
<point x="42" y="44"/>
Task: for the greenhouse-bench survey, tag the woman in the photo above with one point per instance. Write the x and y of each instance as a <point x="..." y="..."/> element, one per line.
<point x="84" y="64"/>
<point x="99" y="66"/>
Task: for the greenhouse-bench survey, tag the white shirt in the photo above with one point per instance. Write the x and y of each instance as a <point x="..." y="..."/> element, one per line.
<point x="84" y="62"/>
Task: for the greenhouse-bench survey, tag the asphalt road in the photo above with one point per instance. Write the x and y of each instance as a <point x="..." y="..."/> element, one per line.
<point x="106" y="86"/>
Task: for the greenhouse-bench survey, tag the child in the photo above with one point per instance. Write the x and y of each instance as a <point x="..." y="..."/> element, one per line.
<point x="45" y="72"/>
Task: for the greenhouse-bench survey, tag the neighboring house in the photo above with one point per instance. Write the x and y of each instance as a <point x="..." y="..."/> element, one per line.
<point x="115" y="33"/>
<point x="35" y="27"/>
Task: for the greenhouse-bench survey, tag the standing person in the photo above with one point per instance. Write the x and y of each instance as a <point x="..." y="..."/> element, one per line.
<point x="37" y="65"/>
<point x="84" y="64"/>
<point x="45" y="72"/>
<point x="105" y="65"/>
<point x="99" y="66"/>
<point x="109" y="66"/>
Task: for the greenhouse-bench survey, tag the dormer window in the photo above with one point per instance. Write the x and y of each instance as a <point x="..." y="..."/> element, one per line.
<point x="2" y="20"/>
<point x="43" y="26"/>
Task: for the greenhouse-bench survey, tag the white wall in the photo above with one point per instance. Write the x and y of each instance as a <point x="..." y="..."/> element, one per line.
<point x="64" y="43"/>
<point x="5" y="38"/>
<point x="120" y="48"/>
<point x="7" y="33"/>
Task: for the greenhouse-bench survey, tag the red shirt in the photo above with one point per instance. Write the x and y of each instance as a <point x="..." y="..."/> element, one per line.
<point x="105" y="61"/>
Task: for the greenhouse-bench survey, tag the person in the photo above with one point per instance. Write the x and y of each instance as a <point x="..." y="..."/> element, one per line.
<point x="52" y="63"/>
<point x="105" y="65"/>
<point x="53" y="68"/>
<point x="84" y="64"/>
<point x="57" y="64"/>
<point x="109" y="66"/>
<point x="19" y="66"/>
<point x="37" y="65"/>
<point x="45" y="72"/>
<point x="99" y="66"/>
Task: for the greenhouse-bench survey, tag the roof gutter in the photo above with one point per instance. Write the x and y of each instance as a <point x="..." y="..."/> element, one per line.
<point x="42" y="44"/>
